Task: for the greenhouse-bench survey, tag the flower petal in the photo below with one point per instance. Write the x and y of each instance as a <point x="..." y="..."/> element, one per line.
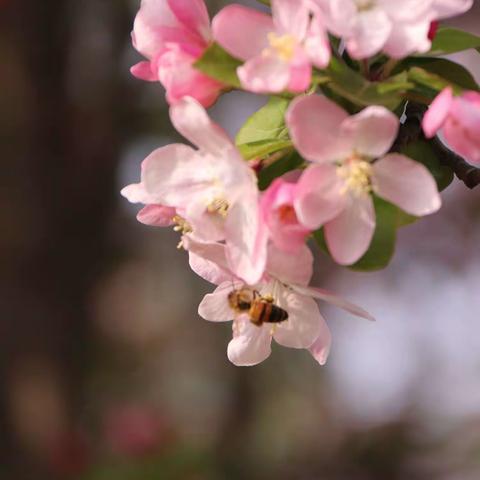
<point x="450" y="8"/>
<point x="265" y="74"/>
<point x="156" y="216"/>
<point x="317" y="44"/>
<point x="193" y="122"/>
<point x="291" y="17"/>
<point x="194" y="16"/>
<point x="156" y="25"/>
<point x="461" y="141"/>
<point x="174" y="174"/>
<point x="333" y="299"/>
<point x="143" y="71"/>
<point x="407" y="38"/>
<point x="372" y="131"/>
<point x="314" y="123"/>
<point x="302" y="327"/>
<point x="246" y="239"/>
<point x="370" y="32"/>
<point x="206" y="226"/>
<point x="406" y="183"/>
<point x="296" y="268"/>
<point x="208" y="260"/>
<point x="136" y="193"/>
<point x="300" y="73"/>
<point x="320" y="350"/>
<point x="242" y="31"/>
<point x="250" y="344"/>
<point x="319" y="196"/>
<point x="279" y="215"/>
<point x="180" y="79"/>
<point x="349" y="234"/>
<point x="215" y="307"/>
<point x="436" y="115"/>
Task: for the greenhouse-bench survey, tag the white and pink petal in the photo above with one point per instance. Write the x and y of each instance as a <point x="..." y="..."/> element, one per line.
<point x="215" y="306"/>
<point x="372" y="131"/>
<point x="303" y="325"/>
<point x="314" y="123"/>
<point x="406" y="183"/>
<point x="349" y="235"/>
<point x="242" y="31"/>
<point x="250" y="344"/>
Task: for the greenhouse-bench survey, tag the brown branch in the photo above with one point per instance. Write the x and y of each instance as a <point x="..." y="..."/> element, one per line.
<point x="465" y="172"/>
<point x="411" y="131"/>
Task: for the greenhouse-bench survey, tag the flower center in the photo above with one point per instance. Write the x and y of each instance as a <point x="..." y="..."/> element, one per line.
<point x="357" y="175"/>
<point x="286" y="214"/>
<point x="218" y="206"/>
<point x="181" y="225"/>
<point x="282" y="45"/>
<point x="365" y="5"/>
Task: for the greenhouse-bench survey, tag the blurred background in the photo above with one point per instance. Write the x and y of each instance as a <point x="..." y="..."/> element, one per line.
<point x="107" y="372"/>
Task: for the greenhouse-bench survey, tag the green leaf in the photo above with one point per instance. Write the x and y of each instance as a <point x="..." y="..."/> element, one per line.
<point x="268" y="123"/>
<point x="423" y="153"/>
<point x="262" y="148"/>
<point x="355" y="88"/>
<point x="450" y="71"/>
<point x="450" y="40"/>
<point x="431" y="81"/>
<point x="265" y="2"/>
<point x="220" y="65"/>
<point x="289" y="162"/>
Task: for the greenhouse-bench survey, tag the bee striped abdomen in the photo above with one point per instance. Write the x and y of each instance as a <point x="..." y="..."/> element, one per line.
<point x="266" y="312"/>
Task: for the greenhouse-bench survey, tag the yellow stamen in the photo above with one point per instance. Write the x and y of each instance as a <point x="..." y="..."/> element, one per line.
<point x="357" y="175"/>
<point x="282" y="45"/>
<point x="181" y="225"/>
<point x="219" y="206"/>
<point x="364" y="5"/>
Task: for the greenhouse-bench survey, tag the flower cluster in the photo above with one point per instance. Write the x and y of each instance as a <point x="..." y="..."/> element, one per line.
<point x="334" y="168"/>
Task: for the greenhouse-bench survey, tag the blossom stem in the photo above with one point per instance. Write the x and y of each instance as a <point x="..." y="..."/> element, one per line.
<point x="276" y="156"/>
<point x="365" y="68"/>
<point x="388" y="68"/>
<point x="419" y="99"/>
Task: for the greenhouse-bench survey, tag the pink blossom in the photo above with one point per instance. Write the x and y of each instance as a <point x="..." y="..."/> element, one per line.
<point x="285" y="282"/>
<point x="172" y="35"/>
<point x="351" y="159"/>
<point x="212" y="191"/>
<point x="458" y="119"/>
<point x="279" y="51"/>
<point x="153" y="214"/>
<point x="397" y="28"/>
<point x="278" y="214"/>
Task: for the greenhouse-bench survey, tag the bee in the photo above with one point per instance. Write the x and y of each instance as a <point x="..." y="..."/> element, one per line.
<point x="260" y="309"/>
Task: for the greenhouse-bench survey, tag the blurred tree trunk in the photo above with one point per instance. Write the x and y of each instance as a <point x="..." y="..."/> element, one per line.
<point x="61" y="167"/>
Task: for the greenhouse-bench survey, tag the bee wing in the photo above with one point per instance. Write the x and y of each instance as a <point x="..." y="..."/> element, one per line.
<point x="333" y="299"/>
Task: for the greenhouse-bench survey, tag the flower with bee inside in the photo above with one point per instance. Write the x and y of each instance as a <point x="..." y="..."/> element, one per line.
<point x="296" y="321"/>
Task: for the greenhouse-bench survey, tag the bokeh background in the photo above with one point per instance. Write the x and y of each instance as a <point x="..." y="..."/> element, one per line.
<point x="107" y="372"/>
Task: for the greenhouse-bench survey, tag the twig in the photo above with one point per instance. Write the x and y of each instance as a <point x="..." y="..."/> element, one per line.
<point x="388" y="68"/>
<point x="411" y="131"/>
<point x="465" y="172"/>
